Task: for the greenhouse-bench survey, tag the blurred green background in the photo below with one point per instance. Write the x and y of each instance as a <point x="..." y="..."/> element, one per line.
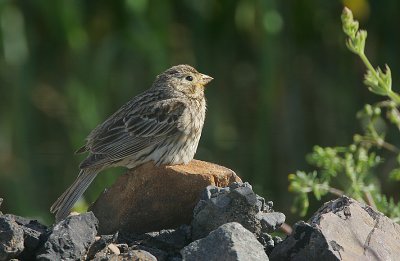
<point x="284" y="82"/>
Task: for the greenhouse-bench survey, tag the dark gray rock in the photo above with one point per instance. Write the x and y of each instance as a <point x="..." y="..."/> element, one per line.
<point x="164" y="245"/>
<point x="169" y="240"/>
<point x="229" y="242"/>
<point x="343" y="229"/>
<point x="11" y="238"/>
<point x="271" y="221"/>
<point x="34" y="235"/>
<point x="70" y="238"/>
<point x="295" y="247"/>
<point x="236" y="203"/>
<point x="269" y="242"/>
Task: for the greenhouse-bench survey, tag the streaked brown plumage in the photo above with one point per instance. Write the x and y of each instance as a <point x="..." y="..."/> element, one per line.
<point x="162" y="124"/>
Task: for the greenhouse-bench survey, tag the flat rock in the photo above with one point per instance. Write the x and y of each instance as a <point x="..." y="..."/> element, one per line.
<point x="343" y="229"/>
<point x="151" y="198"/>
<point x="70" y="238"/>
<point x="229" y="242"/>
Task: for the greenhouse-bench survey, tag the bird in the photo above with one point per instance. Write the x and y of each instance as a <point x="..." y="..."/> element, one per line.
<point x="162" y="124"/>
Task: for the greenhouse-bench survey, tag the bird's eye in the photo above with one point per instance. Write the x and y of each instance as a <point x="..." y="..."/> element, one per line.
<point x="189" y="78"/>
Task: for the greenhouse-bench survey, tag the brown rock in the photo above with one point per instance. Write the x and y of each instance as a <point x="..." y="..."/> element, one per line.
<point x="343" y="229"/>
<point x="151" y="198"/>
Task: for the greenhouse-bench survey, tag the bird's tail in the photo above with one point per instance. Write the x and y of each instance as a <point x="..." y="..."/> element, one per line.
<point x="66" y="201"/>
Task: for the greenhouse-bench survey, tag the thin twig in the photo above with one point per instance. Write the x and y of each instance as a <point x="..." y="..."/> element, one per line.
<point x="383" y="144"/>
<point x="336" y="192"/>
<point x="368" y="198"/>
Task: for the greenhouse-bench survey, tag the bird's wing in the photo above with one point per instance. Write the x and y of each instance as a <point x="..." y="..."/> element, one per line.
<point x="135" y="131"/>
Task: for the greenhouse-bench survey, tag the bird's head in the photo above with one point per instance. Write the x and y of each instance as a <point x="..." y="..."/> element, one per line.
<point x="183" y="78"/>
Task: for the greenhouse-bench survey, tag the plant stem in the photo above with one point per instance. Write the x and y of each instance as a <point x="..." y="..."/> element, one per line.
<point x="394" y="96"/>
<point x="370" y="201"/>
<point x="336" y="192"/>
<point x="383" y="144"/>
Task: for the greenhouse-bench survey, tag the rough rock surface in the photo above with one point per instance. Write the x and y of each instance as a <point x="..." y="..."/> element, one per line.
<point x="11" y="238"/>
<point x="163" y="245"/>
<point x="70" y="238"/>
<point x="236" y="203"/>
<point x="19" y="237"/>
<point x="230" y="241"/>
<point x="33" y="235"/>
<point x="343" y="229"/>
<point x="151" y="198"/>
<point x="139" y="255"/>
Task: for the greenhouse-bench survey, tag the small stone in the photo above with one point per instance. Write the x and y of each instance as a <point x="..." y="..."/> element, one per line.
<point x="150" y="198"/>
<point x="70" y="238"/>
<point x="123" y="247"/>
<point x="114" y="249"/>
<point x="159" y="254"/>
<point x="139" y="255"/>
<point x="272" y="221"/>
<point x="230" y="241"/>
<point x="277" y="240"/>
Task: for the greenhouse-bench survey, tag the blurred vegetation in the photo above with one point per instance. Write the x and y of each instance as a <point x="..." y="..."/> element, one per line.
<point x="284" y="81"/>
<point x="352" y="168"/>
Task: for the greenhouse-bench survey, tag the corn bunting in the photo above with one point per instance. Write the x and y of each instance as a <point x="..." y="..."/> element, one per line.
<point x="162" y="124"/>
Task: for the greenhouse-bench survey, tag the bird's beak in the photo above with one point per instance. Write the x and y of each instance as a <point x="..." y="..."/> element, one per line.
<point x="205" y="79"/>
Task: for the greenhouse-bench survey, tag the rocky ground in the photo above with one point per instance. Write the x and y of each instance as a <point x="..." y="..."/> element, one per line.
<point x="226" y="223"/>
<point x="230" y="223"/>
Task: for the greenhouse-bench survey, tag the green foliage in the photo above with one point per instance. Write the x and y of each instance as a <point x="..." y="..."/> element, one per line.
<point x="388" y="206"/>
<point x="351" y="170"/>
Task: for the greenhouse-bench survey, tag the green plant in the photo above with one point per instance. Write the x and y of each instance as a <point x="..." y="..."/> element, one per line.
<point x="351" y="170"/>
